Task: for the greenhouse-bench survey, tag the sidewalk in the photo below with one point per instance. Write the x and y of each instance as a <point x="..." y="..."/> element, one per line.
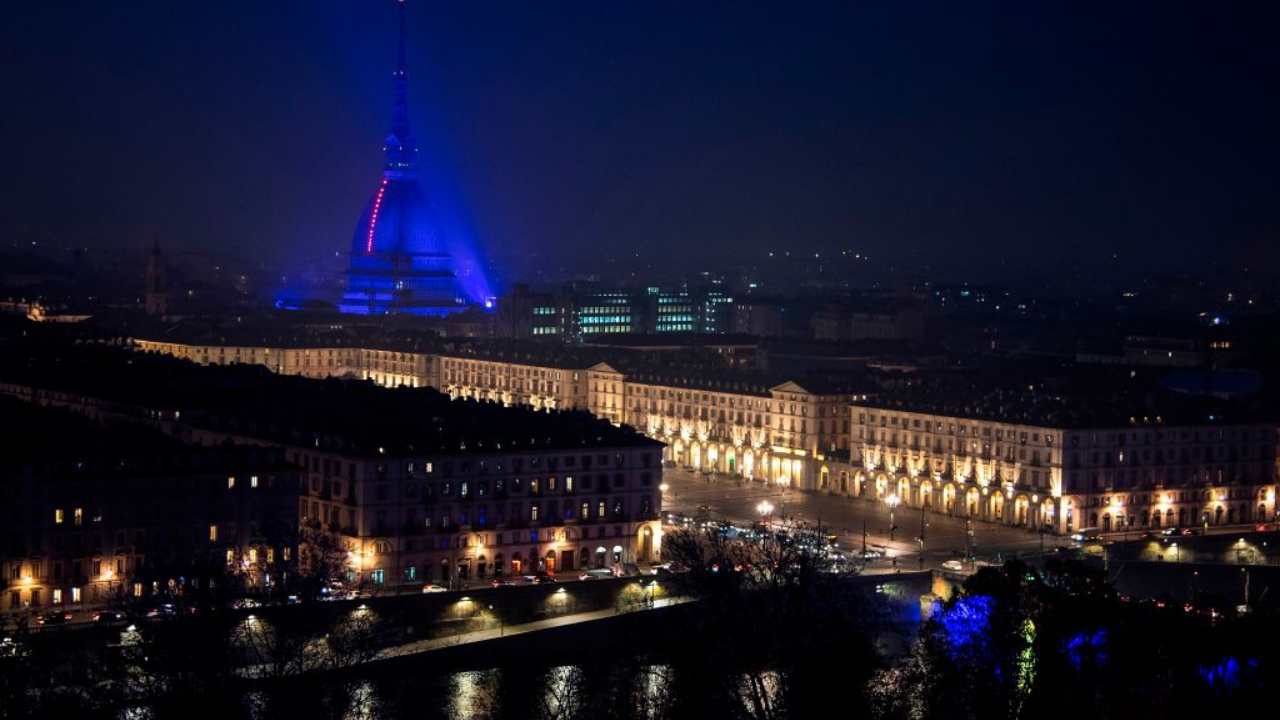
<point x="477" y="636"/>
<point x="423" y="646"/>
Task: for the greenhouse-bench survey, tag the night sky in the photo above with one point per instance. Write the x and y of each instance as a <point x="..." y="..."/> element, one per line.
<point x="975" y="134"/>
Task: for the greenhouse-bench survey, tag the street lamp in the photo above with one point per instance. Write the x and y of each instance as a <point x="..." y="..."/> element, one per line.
<point x="923" y="525"/>
<point x="765" y="509"/>
<point x="892" y="501"/>
<point x="501" y="624"/>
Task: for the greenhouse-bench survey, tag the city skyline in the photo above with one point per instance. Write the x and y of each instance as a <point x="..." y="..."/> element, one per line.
<point x="397" y="359"/>
<point x="983" y="140"/>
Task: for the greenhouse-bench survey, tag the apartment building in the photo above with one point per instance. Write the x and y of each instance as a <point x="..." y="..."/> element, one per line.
<point x="1060" y="462"/>
<point x="417" y="488"/>
<point x="96" y="514"/>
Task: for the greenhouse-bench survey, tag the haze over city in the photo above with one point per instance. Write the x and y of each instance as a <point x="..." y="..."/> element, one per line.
<point x="402" y="359"/>
<point x="985" y="140"/>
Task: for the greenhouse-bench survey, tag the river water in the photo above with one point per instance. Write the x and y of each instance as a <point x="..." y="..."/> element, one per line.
<point x="628" y="688"/>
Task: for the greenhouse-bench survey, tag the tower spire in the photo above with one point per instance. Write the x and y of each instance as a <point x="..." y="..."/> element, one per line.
<point x="400" y="146"/>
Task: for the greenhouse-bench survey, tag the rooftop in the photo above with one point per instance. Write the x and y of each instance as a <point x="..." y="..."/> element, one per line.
<point x="348" y="416"/>
<point x="56" y="441"/>
<point x="1063" y="395"/>
<point x="692" y="366"/>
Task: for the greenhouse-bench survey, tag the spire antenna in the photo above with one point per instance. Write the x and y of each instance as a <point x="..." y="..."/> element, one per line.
<point x="400" y="146"/>
<point x="402" y="69"/>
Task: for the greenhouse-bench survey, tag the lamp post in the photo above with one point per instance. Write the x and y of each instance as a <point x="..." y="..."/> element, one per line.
<point x="892" y="501"/>
<point x="968" y="538"/>
<point x="501" y="627"/>
<point x="765" y="509"/>
<point x="923" y="525"/>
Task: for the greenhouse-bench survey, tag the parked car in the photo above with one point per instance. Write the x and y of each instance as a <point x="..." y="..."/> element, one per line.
<point x="953" y="566"/>
<point x="108" y="616"/>
<point x="161" y="610"/>
<point x="57" y="617"/>
<point x="502" y="582"/>
<point x="433" y="588"/>
<point x="1089" y="534"/>
<point x="597" y="574"/>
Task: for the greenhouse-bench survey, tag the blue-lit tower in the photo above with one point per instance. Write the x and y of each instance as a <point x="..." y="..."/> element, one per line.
<point x="399" y="260"/>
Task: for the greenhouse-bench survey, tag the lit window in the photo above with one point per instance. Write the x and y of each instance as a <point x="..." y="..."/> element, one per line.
<point x="75" y="594"/>
<point x="231" y="555"/>
<point x="284" y="552"/>
<point x="57" y="596"/>
<point x="231" y="483"/>
<point x="213" y="533"/>
<point x="271" y="555"/>
<point x="253" y="481"/>
<point x="253" y="555"/>
<point x="79" y="516"/>
<point x="57" y="516"/>
<point x="137" y="589"/>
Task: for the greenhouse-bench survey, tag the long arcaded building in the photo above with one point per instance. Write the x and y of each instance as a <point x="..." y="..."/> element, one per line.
<point x="1008" y="451"/>
<point x="790" y="432"/>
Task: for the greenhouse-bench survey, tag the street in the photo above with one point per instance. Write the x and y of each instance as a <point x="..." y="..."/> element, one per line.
<point x="735" y="499"/>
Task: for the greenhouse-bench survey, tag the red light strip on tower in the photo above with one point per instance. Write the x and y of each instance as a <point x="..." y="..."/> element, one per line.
<point x="373" y="216"/>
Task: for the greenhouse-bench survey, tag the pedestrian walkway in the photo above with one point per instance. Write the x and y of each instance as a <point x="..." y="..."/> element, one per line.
<point x="441" y="643"/>
<point x="478" y="636"/>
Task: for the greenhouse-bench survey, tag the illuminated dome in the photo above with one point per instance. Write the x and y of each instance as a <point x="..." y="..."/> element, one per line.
<point x="397" y="220"/>
<point x="399" y="261"/>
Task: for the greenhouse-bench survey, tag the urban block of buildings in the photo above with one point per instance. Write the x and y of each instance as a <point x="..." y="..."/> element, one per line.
<point x="1108" y="449"/>
<point x="415" y="488"/>
<point x="96" y="513"/>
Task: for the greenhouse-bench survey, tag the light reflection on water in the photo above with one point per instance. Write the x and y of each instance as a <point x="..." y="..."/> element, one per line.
<point x="474" y="695"/>
<point x="563" y="692"/>
<point x="363" y="704"/>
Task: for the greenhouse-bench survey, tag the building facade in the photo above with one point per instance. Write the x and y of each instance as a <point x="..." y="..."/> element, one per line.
<point x="468" y="490"/>
<point x="123" y="514"/>
<point x="1050" y="474"/>
<point x="1062" y="479"/>
<point x="456" y="517"/>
